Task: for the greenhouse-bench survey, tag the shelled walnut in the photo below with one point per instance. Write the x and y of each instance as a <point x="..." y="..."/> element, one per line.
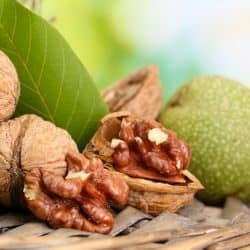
<point x="78" y="200"/>
<point x="149" y="158"/>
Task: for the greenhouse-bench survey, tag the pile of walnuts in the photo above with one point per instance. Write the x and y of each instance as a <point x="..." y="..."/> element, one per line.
<point x="41" y="168"/>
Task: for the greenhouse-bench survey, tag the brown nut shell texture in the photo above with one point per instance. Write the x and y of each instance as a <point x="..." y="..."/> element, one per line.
<point x="140" y="93"/>
<point x="149" y="158"/>
<point x="9" y="87"/>
<point x="28" y="142"/>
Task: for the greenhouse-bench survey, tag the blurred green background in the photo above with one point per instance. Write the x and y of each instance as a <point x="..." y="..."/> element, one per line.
<point x="185" y="38"/>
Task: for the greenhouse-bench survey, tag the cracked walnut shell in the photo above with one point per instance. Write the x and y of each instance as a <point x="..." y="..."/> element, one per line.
<point x="140" y="93"/>
<point x="149" y="158"/>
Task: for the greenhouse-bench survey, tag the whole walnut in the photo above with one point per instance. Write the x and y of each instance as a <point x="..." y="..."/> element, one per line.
<point x="28" y="142"/>
<point x="9" y="87"/>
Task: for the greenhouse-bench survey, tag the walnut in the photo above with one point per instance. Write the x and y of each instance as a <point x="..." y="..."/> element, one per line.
<point x="79" y="199"/>
<point x="139" y="93"/>
<point x="150" y="152"/>
<point x="149" y="158"/>
<point x="28" y="142"/>
<point x="9" y="87"/>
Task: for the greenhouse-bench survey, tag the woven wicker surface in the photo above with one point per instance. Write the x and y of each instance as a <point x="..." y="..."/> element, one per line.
<point x="195" y="226"/>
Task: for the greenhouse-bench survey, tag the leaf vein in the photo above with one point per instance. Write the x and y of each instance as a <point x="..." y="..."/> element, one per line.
<point x="88" y="119"/>
<point x="62" y="80"/>
<point x="1" y="15"/>
<point x="29" y="42"/>
<point x="28" y="87"/>
<point x="9" y="51"/>
<point x="33" y="108"/>
<point x="15" y="22"/>
<point x="44" y="57"/>
<point x="74" y="105"/>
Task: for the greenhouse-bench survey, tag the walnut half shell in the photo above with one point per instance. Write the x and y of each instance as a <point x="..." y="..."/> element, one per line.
<point x="140" y="93"/>
<point x="149" y="191"/>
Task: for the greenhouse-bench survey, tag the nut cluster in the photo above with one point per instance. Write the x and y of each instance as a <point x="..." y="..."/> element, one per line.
<point x="63" y="187"/>
<point x="145" y="149"/>
<point x="78" y="200"/>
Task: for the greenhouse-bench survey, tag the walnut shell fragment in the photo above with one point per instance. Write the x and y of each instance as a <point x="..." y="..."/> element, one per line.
<point x="150" y="191"/>
<point x="9" y="87"/>
<point x="155" y="197"/>
<point x="28" y="142"/>
<point x="139" y="93"/>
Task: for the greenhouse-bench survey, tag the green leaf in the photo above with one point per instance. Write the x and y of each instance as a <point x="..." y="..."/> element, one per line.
<point x="54" y="83"/>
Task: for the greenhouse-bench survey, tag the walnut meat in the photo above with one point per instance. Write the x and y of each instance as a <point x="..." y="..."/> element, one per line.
<point x="146" y="150"/>
<point x="149" y="158"/>
<point x="9" y="87"/>
<point x="79" y="199"/>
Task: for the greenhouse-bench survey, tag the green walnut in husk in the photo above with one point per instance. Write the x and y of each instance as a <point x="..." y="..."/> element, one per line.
<point x="212" y="114"/>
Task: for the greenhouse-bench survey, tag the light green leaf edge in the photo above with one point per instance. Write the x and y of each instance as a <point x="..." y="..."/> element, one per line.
<point x="54" y="83"/>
